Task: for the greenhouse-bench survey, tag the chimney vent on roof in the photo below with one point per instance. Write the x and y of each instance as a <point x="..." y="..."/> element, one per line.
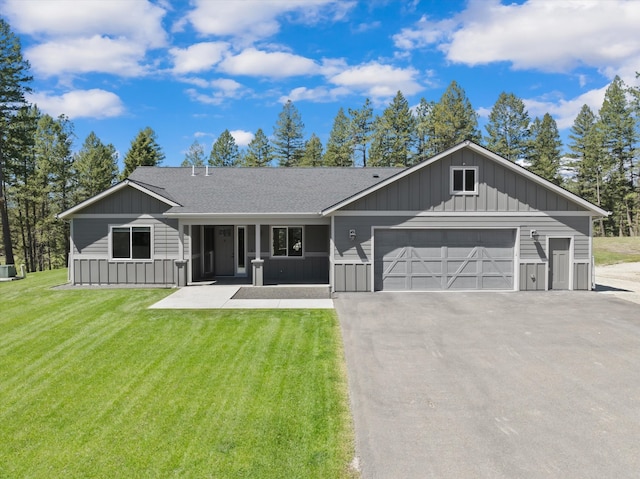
<point x="376" y="175"/>
<point x="193" y="170"/>
<point x="207" y="171"/>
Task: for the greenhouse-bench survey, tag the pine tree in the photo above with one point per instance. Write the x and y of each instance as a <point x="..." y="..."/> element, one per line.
<point x="54" y="173"/>
<point x="96" y="167"/>
<point x="259" y="151"/>
<point x="225" y="151"/>
<point x="288" y="136"/>
<point x="20" y="180"/>
<point x="393" y="135"/>
<point x="454" y="120"/>
<point x="544" y="149"/>
<point x="195" y="155"/>
<point x="339" y="147"/>
<point x="508" y="127"/>
<point x="312" y="152"/>
<point x="619" y="136"/>
<point x="587" y="149"/>
<point x="361" y="125"/>
<point x="14" y="83"/>
<point x="144" y="151"/>
<point x="424" y="131"/>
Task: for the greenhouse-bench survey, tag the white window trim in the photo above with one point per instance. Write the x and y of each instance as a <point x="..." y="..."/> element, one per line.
<point x="272" y="227"/>
<point x="463" y="168"/>
<point x="131" y="260"/>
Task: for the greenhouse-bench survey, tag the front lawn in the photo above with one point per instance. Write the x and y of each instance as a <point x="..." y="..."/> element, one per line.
<point x="93" y="384"/>
<point x="611" y="250"/>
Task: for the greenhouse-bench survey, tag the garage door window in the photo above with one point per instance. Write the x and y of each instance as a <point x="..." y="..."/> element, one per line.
<point x="464" y="180"/>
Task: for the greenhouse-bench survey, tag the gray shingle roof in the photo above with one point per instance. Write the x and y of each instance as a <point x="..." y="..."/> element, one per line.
<point x="258" y="190"/>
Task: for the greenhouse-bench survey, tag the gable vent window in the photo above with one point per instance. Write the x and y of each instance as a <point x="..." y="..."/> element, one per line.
<point x="131" y="242"/>
<point x="464" y="180"/>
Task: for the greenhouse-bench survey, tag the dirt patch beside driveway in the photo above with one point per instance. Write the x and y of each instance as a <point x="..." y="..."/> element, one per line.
<point x="493" y="385"/>
<point x="622" y="280"/>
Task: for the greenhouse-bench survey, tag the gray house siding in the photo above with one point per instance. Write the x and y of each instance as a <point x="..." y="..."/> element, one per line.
<point x="90" y="254"/>
<point x="499" y="190"/>
<point x="353" y="260"/>
<point x="127" y="200"/>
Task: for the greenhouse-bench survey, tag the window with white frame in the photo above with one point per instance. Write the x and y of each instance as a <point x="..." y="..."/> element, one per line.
<point x="464" y="180"/>
<point x="286" y="241"/>
<point x="131" y="242"/>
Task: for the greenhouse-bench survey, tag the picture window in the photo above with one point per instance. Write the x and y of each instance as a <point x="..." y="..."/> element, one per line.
<point x="286" y="241"/>
<point x="131" y="242"/>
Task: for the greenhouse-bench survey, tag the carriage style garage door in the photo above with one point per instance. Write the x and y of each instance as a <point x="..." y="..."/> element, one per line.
<point x="428" y="260"/>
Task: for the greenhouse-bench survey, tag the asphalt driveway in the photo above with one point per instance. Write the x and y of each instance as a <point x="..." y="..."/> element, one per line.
<point x="493" y="385"/>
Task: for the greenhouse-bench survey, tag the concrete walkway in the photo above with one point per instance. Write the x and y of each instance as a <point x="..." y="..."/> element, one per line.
<point x="221" y="297"/>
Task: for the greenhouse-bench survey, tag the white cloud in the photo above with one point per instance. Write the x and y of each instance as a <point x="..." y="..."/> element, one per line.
<point x="253" y="62"/>
<point x="140" y="20"/>
<point x="423" y="34"/>
<point x="378" y="80"/>
<point x="552" y="36"/>
<point x="198" y="57"/>
<point x="83" y="55"/>
<point x="242" y="137"/>
<point x="93" y="103"/>
<point x="220" y="90"/>
<point x="257" y="19"/>
<point x="565" y="111"/>
<point x="319" y="94"/>
<point x="89" y="35"/>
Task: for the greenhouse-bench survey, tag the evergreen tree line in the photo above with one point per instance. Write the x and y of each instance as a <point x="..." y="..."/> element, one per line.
<point x="41" y="175"/>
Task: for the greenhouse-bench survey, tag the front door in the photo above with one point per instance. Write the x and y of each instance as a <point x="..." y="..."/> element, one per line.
<point x="559" y="263"/>
<point x="223" y="250"/>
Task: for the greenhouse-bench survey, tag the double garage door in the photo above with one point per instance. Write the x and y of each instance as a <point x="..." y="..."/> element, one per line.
<point x="428" y="260"/>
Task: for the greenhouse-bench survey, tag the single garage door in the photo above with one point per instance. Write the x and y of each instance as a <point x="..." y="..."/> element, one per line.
<point x="428" y="260"/>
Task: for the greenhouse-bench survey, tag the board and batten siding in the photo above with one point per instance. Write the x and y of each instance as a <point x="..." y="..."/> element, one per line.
<point x="353" y="259"/>
<point x="90" y="256"/>
<point x="499" y="190"/>
<point x="126" y="201"/>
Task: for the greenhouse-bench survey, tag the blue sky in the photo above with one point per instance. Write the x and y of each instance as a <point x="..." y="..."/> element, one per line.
<point x="191" y="69"/>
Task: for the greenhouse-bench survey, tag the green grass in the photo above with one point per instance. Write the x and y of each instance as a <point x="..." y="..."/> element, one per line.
<point x="94" y="385"/>
<point x="614" y="250"/>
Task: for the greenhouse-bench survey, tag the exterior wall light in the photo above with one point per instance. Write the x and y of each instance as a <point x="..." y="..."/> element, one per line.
<point x="352" y="235"/>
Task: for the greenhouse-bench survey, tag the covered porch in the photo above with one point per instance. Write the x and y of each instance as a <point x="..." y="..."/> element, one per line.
<point x="282" y="251"/>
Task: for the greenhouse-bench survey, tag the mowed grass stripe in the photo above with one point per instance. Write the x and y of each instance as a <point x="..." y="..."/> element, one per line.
<point x="123" y="391"/>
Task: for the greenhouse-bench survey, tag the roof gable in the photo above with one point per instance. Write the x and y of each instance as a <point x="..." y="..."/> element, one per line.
<point x="425" y="187"/>
<point x="149" y="190"/>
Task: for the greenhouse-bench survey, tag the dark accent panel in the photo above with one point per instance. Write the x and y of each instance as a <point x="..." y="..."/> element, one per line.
<point x="307" y="270"/>
<point x="316" y="238"/>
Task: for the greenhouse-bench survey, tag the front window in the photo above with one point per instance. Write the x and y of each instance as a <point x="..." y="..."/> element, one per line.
<point x="286" y="241"/>
<point x="131" y="242"/>
<point x="464" y="180"/>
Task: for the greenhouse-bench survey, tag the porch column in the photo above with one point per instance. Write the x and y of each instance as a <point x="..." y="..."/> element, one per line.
<point x="258" y="262"/>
